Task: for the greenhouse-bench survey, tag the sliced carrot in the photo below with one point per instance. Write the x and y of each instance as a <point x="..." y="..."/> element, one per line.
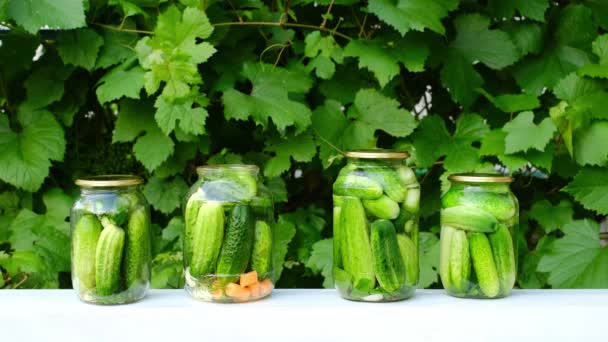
<point x="266" y="287"/>
<point x="256" y="290"/>
<point x="217" y="293"/>
<point x="235" y="291"/>
<point x="249" y="278"/>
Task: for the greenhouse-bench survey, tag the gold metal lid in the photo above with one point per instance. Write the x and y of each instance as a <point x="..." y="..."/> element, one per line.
<point x="109" y="181"/>
<point x="480" y="178"/>
<point x="377" y="154"/>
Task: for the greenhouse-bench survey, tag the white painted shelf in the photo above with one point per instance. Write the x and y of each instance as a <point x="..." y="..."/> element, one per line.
<point x="307" y="315"/>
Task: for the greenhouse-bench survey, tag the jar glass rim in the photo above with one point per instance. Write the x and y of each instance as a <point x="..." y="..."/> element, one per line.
<point x="480" y="178"/>
<point x="377" y="154"/>
<point x="103" y="181"/>
<point x="244" y="167"/>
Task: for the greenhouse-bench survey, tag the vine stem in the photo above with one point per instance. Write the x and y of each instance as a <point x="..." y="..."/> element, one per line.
<point x="279" y="24"/>
<point x="331" y="4"/>
<point x="236" y="23"/>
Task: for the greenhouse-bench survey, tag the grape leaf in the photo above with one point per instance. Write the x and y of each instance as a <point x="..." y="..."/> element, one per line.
<point x="164" y="194"/>
<point x="600" y="48"/>
<point x="551" y="217"/>
<point x="461" y="156"/>
<point x="429" y="259"/>
<point x="534" y="9"/>
<point x="476" y="42"/>
<point x="151" y="149"/>
<point x="79" y="47"/>
<point x="172" y="55"/>
<point x="321" y="261"/>
<point x="590" y="146"/>
<point x="590" y="188"/>
<point x="168" y="271"/>
<point x="370" y="112"/>
<point x="528" y="37"/>
<point x="32" y="15"/>
<point x="120" y="83"/>
<point x="429" y="140"/>
<point x="577" y="260"/>
<point x="459" y="76"/>
<point x="269" y="98"/>
<point x="191" y="120"/>
<point x="301" y="148"/>
<point x="383" y="57"/>
<point x="46" y="84"/>
<point x="511" y="103"/>
<point x="324" y="53"/>
<point x="283" y="232"/>
<point x="25" y="157"/>
<point x="523" y="134"/>
<point x="117" y="46"/>
<point x="58" y="205"/>
<point x="406" y="15"/>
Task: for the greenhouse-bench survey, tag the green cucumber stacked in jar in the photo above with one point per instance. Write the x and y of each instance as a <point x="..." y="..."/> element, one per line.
<point x="111" y="240"/>
<point x="479" y="217"/>
<point x="228" y="237"/>
<point x="376" y="210"/>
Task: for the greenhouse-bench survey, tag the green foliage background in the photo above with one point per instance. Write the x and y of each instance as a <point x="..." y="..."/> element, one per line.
<point x="157" y="87"/>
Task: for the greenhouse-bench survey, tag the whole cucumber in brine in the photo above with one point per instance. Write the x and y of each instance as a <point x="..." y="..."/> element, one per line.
<point x="138" y="246"/>
<point x="409" y="252"/>
<point x="382" y="208"/>
<point x="483" y="264"/>
<point x="388" y="261"/>
<point x="238" y="243"/>
<point x="460" y="262"/>
<point x="390" y="181"/>
<point x="356" y="249"/>
<point x="504" y="257"/>
<point x="84" y="245"/>
<point x="468" y="218"/>
<point x="445" y="250"/>
<point x="207" y="237"/>
<point x="191" y="214"/>
<point x="261" y="257"/>
<point x="108" y="258"/>
<point x="356" y="184"/>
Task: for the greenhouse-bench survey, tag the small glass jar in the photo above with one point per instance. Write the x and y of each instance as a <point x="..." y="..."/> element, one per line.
<point x="111" y="240"/>
<point x="375" y="220"/>
<point x="228" y="240"/>
<point x="479" y="217"/>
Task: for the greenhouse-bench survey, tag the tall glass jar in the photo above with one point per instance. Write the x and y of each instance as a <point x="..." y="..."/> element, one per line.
<point x="228" y="239"/>
<point x="479" y="217"/>
<point x="111" y="240"/>
<point x="376" y="210"/>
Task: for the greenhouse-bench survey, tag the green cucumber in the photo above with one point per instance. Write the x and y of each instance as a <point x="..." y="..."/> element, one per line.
<point x="409" y="253"/>
<point x="108" y="257"/>
<point x="355" y="244"/>
<point x="137" y="250"/>
<point x="225" y="190"/>
<point x="238" y="243"/>
<point x="207" y="236"/>
<point x="467" y="218"/>
<point x="483" y="263"/>
<point x="357" y="185"/>
<point x="460" y="261"/>
<point x="499" y="204"/>
<point x="407" y="175"/>
<point x="191" y="213"/>
<point x="403" y="217"/>
<point x="337" y="236"/>
<point x="382" y="208"/>
<point x="504" y="257"/>
<point x="390" y="181"/>
<point x="84" y="245"/>
<point x="412" y="200"/>
<point x="445" y="250"/>
<point x="261" y="256"/>
<point x="388" y="261"/>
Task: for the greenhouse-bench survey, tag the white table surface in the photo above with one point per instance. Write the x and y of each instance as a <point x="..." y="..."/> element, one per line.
<point x="308" y="315"/>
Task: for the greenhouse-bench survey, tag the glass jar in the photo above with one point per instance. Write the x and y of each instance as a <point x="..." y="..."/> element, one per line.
<point x="375" y="220"/>
<point x="479" y="217"/>
<point x="228" y="239"/>
<point x="111" y="240"/>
